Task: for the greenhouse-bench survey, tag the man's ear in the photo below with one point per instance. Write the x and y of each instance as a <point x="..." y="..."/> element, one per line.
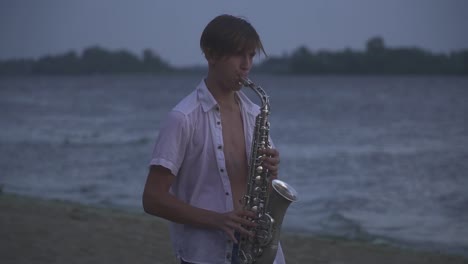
<point x="210" y="57"/>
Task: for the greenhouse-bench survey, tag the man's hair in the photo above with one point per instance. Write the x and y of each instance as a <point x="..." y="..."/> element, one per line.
<point x="227" y="35"/>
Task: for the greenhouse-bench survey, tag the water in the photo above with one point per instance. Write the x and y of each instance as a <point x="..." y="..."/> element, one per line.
<point x="381" y="159"/>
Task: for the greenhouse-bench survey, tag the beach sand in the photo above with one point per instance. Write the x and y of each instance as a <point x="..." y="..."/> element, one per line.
<point x="34" y="230"/>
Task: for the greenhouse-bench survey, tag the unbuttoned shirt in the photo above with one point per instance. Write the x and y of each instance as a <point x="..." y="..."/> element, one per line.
<point x="190" y="145"/>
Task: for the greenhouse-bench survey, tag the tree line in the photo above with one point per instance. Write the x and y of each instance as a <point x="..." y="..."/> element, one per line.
<point x="375" y="59"/>
<point x="93" y="60"/>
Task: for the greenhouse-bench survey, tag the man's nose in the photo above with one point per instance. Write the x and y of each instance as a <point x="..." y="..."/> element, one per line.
<point x="246" y="63"/>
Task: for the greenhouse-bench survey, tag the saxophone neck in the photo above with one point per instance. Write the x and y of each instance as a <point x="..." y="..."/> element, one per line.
<point x="259" y="91"/>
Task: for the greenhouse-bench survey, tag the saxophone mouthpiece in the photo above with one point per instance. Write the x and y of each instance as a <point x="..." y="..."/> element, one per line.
<point x="245" y="81"/>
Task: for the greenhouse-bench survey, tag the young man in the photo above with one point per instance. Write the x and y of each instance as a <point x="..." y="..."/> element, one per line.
<point x="199" y="168"/>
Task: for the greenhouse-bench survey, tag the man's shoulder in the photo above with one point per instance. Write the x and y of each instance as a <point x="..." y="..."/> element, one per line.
<point x="188" y="104"/>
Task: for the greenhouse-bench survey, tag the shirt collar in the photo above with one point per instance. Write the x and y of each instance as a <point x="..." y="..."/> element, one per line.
<point x="208" y="101"/>
<point x="205" y="97"/>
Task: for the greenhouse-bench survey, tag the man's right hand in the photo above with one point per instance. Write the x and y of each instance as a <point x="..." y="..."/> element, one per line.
<point x="234" y="221"/>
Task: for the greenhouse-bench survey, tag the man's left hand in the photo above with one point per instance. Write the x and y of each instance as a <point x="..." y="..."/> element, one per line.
<point x="271" y="161"/>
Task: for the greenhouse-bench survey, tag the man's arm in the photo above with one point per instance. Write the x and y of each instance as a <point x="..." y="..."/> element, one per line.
<point x="158" y="201"/>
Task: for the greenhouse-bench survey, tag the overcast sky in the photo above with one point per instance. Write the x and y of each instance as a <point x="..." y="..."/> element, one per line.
<point x="33" y="28"/>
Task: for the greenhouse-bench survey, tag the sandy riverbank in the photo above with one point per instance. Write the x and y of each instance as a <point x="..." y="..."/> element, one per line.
<point x="42" y="231"/>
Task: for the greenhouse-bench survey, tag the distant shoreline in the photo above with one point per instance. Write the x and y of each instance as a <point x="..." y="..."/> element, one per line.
<point x="376" y="59"/>
<point x="50" y="231"/>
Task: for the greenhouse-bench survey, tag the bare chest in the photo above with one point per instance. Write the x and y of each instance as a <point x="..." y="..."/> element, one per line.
<point x="235" y="153"/>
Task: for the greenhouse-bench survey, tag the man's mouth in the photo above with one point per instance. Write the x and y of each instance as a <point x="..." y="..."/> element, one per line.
<point x="241" y="79"/>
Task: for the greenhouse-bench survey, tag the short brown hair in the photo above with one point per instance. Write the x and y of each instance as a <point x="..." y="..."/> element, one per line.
<point x="227" y="35"/>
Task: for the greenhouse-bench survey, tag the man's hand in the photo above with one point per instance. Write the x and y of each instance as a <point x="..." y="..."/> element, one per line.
<point x="271" y="161"/>
<point x="232" y="221"/>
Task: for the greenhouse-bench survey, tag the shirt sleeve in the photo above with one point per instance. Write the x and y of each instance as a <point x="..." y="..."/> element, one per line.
<point x="171" y="144"/>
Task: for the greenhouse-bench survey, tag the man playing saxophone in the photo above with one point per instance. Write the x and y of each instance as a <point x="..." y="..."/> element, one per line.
<point x="199" y="167"/>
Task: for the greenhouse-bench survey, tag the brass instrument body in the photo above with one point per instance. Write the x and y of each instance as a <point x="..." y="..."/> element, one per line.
<point x="269" y="200"/>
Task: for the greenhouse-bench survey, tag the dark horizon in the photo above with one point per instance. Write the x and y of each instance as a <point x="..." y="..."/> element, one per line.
<point x="377" y="58"/>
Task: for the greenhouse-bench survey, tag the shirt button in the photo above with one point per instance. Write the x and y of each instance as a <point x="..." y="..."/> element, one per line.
<point x="220" y="147"/>
<point x="222" y="170"/>
<point x="219" y="123"/>
<point x="228" y="256"/>
<point x="217" y="108"/>
<point x="228" y="195"/>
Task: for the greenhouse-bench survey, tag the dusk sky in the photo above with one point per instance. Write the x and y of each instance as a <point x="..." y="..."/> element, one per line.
<point x="31" y="28"/>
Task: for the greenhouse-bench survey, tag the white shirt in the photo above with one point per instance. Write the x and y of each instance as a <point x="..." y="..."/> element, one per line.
<point x="190" y="145"/>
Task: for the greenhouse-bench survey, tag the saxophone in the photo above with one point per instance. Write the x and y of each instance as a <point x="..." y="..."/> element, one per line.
<point x="269" y="200"/>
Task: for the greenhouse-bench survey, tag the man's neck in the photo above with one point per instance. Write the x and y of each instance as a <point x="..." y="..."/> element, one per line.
<point x="225" y="97"/>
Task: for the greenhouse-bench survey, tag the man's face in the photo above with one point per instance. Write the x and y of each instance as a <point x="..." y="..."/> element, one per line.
<point x="230" y="69"/>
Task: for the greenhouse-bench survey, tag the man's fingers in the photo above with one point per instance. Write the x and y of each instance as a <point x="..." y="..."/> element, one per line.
<point x="246" y="213"/>
<point x="271" y="167"/>
<point x="248" y="223"/>
<point x="239" y="228"/>
<point x="270" y="152"/>
<point x="239" y="221"/>
<point x="245" y="231"/>
<point x="231" y="235"/>
<point x="242" y="230"/>
<point x="240" y="218"/>
<point x="271" y="160"/>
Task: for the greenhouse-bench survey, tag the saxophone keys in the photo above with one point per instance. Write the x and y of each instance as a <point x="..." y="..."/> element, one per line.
<point x="259" y="169"/>
<point x="256" y="201"/>
<point x="258" y="251"/>
<point x="254" y="209"/>
<point x="258" y="180"/>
